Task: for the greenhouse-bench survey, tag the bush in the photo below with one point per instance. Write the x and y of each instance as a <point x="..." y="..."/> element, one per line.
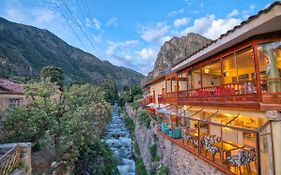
<point x="136" y="148"/>
<point x="163" y="170"/>
<point x="153" y="153"/>
<point x="144" y="117"/>
<point x="96" y="159"/>
<point x="130" y="124"/>
<point x="140" y="168"/>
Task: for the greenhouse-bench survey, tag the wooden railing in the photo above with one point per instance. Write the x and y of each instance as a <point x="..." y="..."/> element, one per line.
<point x="9" y="160"/>
<point x="149" y="99"/>
<point x="271" y="90"/>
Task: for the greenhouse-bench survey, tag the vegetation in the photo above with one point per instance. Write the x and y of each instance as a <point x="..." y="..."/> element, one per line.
<point x="72" y="118"/>
<point x="131" y="95"/>
<point x="163" y="170"/>
<point x="130" y="124"/>
<point x="145" y="117"/>
<point x="96" y="159"/>
<point x="53" y="74"/>
<point x="140" y="168"/>
<point x="153" y="153"/>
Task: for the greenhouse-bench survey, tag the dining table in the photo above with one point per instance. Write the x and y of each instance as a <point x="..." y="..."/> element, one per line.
<point x="227" y="148"/>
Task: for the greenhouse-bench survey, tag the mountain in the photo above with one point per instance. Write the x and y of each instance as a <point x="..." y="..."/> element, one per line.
<point x="25" y="50"/>
<point x="174" y="51"/>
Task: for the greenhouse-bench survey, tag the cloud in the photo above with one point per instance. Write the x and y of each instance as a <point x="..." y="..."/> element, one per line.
<point x="94" y="23"/>
<point x="154" y="33"/>
<point x="180" y="22"/>
<point x="211" y="27"/>
<point x="176" y="12"/>
<point x="147" y="53"/>
<point x="112" y="22"/>
<point x="15" y="15"/>
<point x="233" y="13"/>
<point x="119" y="47"/>
<point x="43" y="16"/>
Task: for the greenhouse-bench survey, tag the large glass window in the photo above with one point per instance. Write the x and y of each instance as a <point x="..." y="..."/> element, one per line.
<point x="195" y="79"/>
<point x="168" y="86"/>
<point x="182" y="78"/>
<point x="270" y="66"/>
<point x="211" y="74"/>
<point x="245" y="64"/>
<point x="229" y="69"/>
<point x="174" y="85"/>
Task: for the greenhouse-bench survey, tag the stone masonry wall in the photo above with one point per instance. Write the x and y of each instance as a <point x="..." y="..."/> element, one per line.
<point x="178" y="160"/>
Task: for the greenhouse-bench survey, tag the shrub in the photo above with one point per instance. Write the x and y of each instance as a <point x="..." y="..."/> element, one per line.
<point x="130" y="124"/>
<point x="144" y="117"/>
<point x="140" y="168"/>
<point x="153" y="153"/>
<point x="163" y="170"/>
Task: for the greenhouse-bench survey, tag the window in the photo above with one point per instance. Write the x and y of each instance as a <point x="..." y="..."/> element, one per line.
<point x="182" y="78"/>
<point x="211" y="74"/>
<point x="14" y="103"/>
<point x="270" y="66"/>
<point x="229" y="69"/>
<point x="195" y="79"/>
<point x="245" y="64"/>
<point x="168" y="86"/>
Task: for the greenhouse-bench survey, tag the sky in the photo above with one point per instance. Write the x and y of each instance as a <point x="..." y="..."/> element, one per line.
<point x="129" y="33"/>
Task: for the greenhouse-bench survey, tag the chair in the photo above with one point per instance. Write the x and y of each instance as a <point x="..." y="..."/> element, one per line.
<point x="175" y="133"/>
<point x="243" y="158"/>
<point x="208" y="141"/>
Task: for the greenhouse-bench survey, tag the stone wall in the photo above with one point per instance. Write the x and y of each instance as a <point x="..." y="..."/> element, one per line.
<point x="178" y="160"/>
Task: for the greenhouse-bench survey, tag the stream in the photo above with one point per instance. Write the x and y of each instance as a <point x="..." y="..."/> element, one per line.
<point x="119" y="140"/>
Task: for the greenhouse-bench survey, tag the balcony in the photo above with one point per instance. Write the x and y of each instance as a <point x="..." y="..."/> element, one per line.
<point x="243" y="94"/>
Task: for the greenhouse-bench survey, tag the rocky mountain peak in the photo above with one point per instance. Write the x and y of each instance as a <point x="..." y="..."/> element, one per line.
<point x="176" y="50"/>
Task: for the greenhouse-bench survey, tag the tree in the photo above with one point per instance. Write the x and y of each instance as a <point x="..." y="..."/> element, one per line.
<point x="72" y="118"/>
<point x="110" y="88"/>
<point x="53" y="74"/>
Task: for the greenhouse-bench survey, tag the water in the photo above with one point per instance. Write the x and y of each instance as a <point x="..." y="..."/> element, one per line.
<point x="119" y="140"/>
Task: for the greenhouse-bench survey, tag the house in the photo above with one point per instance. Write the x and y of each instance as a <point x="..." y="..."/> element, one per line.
<point x="11" y="94"/>
<point x="223" y="102"/>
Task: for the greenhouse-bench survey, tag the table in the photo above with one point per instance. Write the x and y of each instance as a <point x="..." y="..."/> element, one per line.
<point x="227" y="147"/>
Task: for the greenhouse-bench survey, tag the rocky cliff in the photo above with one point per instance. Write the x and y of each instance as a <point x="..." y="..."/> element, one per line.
<point x="176" y="50"/>
<point x="25" y="50"/>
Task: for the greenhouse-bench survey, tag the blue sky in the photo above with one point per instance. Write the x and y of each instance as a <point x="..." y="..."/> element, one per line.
<point x="130" y="32"/>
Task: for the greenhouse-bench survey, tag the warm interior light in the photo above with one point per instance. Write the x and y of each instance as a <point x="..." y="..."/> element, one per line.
<point x="207" y="70"/>
<point x="226" y="129"/>
<point x="226" y="74"/>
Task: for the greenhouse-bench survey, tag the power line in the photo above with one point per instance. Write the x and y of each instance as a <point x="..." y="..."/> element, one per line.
<point x="78" y="24"/>
<point x="70" y="25"/>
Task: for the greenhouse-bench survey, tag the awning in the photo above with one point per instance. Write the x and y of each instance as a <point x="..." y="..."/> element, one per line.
<point x="166" y="111"/>
<point x="156" y="106"/>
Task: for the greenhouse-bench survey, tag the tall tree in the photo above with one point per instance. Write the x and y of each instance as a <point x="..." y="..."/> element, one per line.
<point x="53" y="74"/>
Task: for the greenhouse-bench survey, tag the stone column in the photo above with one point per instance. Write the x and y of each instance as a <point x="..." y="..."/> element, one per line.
<point x="275" y="117"/>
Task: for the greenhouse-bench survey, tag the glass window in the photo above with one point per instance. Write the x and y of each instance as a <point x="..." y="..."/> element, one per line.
<point x="14" y="103"/>
<point x="182" y="78"/>
<point x="245" y="64"/>
<point x="248" y="122"/>
<point x="168" y="86"/>
<point x="266" y="151"/>
<point x="211" y="74"/>
<point x="195" y="79"/>
<point x="229" y="69"/>
<point x="174" y="85"/>
<point x="270" y="66"/>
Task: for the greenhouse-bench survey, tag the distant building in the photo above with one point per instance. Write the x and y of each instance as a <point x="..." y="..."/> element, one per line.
<point x="11" y="94"/>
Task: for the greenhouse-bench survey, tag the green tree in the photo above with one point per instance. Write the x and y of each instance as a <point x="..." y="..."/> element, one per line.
<point x="72" y="118"/>
<point x="52" y="74"/>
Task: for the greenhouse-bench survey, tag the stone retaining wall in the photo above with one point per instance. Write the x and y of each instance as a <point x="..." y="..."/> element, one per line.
<point x="178" y="160"/>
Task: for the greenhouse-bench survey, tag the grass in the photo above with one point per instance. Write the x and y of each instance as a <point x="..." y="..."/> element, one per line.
<point x="140" y="168"/>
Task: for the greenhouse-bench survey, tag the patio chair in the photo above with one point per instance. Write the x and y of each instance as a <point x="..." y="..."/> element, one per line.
<point x="208" y="141"/>
<point x="175" y="133"/>
<point x="243" y="158"/>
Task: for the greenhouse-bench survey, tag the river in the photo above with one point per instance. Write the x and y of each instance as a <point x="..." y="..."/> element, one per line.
<point x="119" y="140"/>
